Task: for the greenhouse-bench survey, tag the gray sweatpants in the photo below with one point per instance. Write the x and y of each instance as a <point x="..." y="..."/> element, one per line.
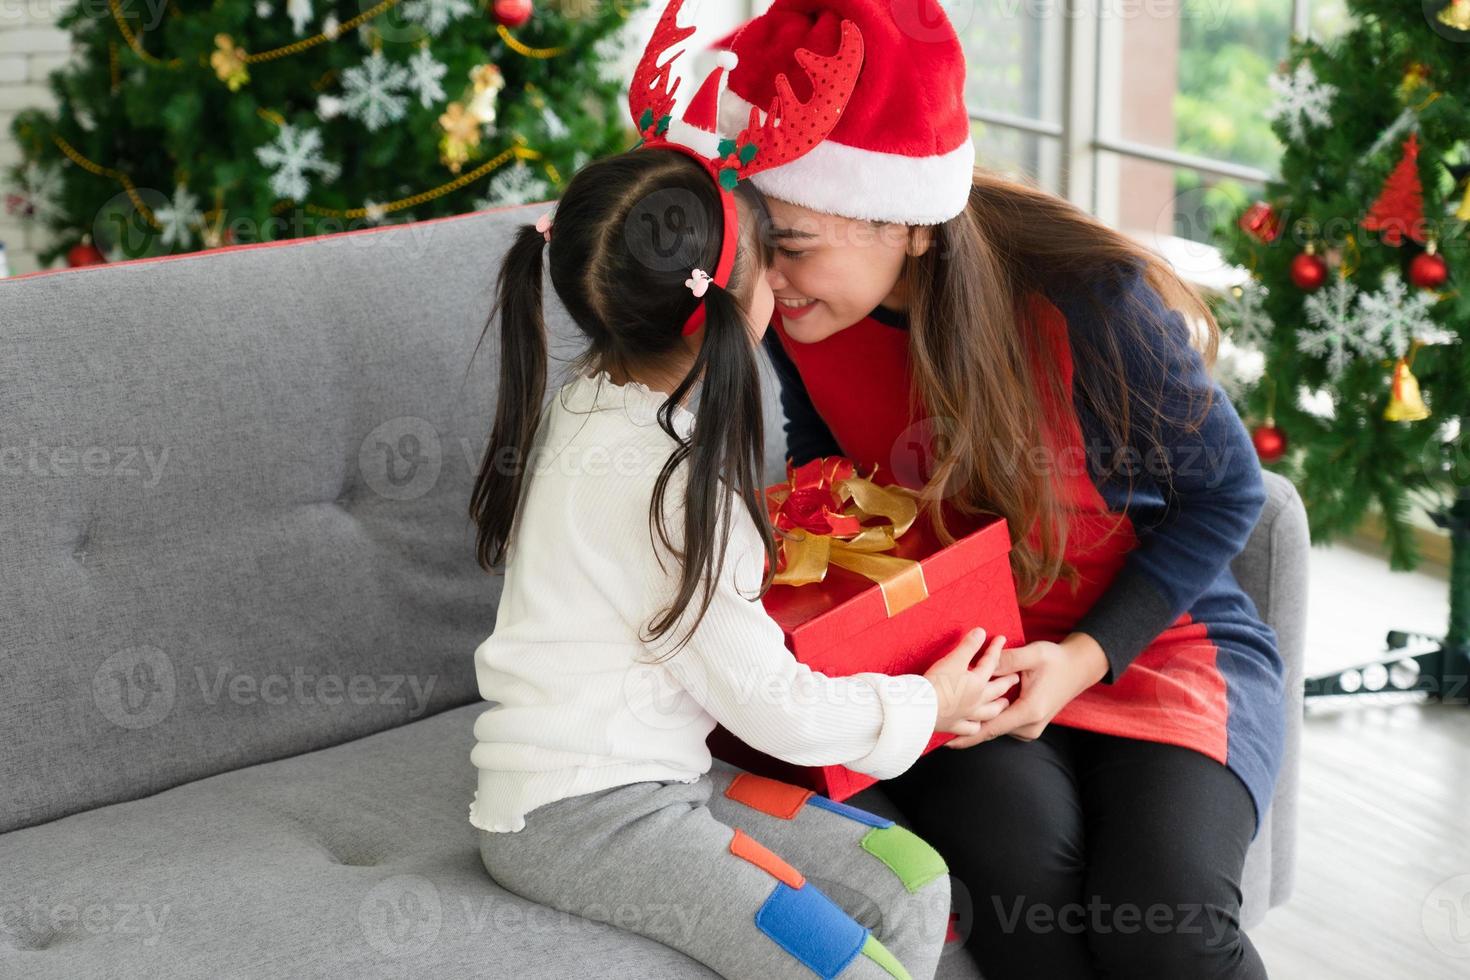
<point x="754" y="878"/>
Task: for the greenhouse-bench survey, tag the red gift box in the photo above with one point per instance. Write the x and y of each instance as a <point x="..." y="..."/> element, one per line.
<point x="842" y="625"/>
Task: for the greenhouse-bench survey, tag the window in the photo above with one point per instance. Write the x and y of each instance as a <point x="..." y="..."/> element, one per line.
<point x="1149" y="113"/>
<point x="1008" y="49"/>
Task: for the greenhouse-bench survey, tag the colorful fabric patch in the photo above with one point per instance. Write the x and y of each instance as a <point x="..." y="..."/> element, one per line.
<point x="767" y="795"/>
<point x="745" y="846"/>
<point x="851" y="812"/>
<point x="811" y="927"/>
<point x="879" y="954"/>
<point x="913" y="860"/>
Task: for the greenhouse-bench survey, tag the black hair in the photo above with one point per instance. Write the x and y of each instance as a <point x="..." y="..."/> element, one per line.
<point x="627" y="232"/>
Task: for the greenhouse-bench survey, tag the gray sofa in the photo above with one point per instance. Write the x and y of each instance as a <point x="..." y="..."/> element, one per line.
<point x="240" y="604"/>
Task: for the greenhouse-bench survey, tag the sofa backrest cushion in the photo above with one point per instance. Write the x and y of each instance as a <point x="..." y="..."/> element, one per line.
<point x="234" y="496"/>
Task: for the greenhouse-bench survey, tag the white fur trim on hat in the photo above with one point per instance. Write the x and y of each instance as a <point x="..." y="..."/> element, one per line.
<point x="693" y="137"/>
<point x="865" y="184"/>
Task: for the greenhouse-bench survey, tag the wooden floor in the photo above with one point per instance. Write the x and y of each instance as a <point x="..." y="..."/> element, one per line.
<point x="1383" y="871"/>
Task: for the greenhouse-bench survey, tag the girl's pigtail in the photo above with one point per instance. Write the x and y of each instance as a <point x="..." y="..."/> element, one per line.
<point x="523" y="353"/>
<point x="726" y="455"/>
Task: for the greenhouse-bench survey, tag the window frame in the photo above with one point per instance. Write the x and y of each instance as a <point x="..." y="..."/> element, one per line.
<point x="1079" y="134"/>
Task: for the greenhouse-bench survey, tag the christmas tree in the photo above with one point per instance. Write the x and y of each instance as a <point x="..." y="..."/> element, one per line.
<point x="1358" y="295"/>
<point x="194" y="124"/>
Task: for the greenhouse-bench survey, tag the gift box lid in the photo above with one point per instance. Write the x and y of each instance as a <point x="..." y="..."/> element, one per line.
<point x="845" y="602"/>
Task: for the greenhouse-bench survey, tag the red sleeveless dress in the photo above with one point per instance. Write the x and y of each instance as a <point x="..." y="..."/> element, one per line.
<point x="1178" y="690"/>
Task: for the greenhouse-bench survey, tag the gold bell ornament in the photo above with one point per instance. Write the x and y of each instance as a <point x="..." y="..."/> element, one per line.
<point x="1456" y="14"/>
<point x="1405" y="403"/>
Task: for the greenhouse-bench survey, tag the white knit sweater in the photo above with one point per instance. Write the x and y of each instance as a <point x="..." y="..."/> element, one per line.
<point x="580" y="705"/>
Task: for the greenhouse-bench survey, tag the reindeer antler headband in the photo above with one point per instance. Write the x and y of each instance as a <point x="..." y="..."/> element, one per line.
<point x="789" y="130"/>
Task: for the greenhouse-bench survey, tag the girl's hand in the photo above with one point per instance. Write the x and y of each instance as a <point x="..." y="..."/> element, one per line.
<point x="969" y="696"/>
<point x="1054" y="674"/>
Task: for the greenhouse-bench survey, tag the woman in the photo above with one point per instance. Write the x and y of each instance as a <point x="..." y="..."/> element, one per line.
<point x="999" y="350"/>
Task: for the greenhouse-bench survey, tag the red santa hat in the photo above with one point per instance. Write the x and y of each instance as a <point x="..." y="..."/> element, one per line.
<point x="902" y="151"/>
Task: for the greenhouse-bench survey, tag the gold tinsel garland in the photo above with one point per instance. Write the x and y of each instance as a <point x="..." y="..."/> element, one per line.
<point x="75" y="156"/>
<point x="229" y="60"/>
<point x="519" y="151"/>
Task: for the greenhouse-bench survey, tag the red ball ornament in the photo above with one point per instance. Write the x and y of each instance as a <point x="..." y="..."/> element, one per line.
<point x="1270" y="442"/>
<point x="1309" y="272"/>
<point x="1428" y="270"/>
<point x="512" y="13"/>
<point x="84" y="253"/>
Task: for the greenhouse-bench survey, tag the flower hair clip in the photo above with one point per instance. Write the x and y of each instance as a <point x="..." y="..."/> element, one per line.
<point x="698" y="283"/>
<point x="543" y="225"/>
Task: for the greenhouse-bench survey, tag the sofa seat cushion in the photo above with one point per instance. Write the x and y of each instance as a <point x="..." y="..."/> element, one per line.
<point x="356" y="860"/>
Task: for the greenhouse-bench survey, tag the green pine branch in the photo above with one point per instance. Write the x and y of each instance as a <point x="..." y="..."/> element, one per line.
<point x="1355" y="460"/>
<point x="161" y="126"/>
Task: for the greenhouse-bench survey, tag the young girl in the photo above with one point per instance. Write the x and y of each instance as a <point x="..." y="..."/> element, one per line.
<point x="630" y="623"/>
<point x="1036" y="360"/>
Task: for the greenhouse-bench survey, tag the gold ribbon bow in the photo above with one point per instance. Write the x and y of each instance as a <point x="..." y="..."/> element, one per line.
<point x="819" y="515"/>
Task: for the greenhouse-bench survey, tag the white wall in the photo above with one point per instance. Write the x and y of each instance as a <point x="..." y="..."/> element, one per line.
<point x="30" y="47"/>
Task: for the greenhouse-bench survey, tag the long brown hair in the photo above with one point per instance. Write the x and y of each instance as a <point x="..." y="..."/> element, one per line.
<point x="979" y="363"/>
<point x="627" y="230"/>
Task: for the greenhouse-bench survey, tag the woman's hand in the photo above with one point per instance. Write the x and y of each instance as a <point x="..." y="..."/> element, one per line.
<point x="1052" y="674"/>
<point x="969" y="696"/>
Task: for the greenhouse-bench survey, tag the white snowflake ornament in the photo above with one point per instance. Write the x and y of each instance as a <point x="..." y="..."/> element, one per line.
<point x="1394" y="316"/>
<point x="179" y="219"/>
<point x="371" y="91"/>
<point x="1334" y="333"/>
<point x="513" y="185"/>
<point x="435" y="15"/>
<point x="296" y="153"/>
<point x="1301" y="100"/>
<point x="423" y="77"/>
<point x="40" y="191"/>
<point x="1243" y="315"/>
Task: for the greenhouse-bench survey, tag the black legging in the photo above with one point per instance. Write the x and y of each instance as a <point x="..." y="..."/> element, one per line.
<point x="1086" y="855"/>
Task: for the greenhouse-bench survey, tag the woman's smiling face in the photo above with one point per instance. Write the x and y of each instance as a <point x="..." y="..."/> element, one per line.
<point x="829" y="272"/>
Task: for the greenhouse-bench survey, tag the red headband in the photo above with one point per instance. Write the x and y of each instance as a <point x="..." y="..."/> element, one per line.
<point x="730" y="233"/>
<point x="790" y="129"/>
